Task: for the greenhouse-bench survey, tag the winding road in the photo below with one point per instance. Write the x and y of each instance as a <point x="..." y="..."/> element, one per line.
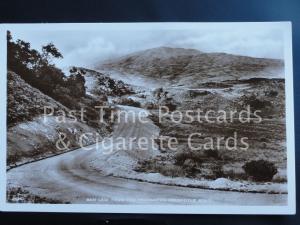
<point x="71" y="177"/>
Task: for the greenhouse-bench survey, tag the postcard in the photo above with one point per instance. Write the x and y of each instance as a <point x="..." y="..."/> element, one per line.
<point x="193" y="118"/>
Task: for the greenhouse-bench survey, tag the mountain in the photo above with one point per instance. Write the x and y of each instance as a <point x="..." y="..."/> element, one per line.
<point x="188" y="66"/>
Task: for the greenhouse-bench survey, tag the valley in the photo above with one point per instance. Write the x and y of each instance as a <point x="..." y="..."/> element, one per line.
<point x="178" y="80"/>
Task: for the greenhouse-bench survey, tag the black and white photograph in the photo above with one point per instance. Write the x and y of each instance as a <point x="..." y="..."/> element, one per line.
<point x="173" y="117"/>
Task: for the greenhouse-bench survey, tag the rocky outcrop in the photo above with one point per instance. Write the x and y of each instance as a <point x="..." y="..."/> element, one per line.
<point x="102" y="85"/>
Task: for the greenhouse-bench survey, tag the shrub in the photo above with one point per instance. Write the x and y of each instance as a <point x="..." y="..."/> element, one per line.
<point x="171" y="106"/>
<point x="181" y="157"/>
<point x="271" y="93"/>
<point x="128" y="101"/>
<point x="255" y="103"/>
<point x="212" y="153"/>
<point x="196" y="93"/>
<point x="170" y="170"/>
<point x="260" y="170"/>
<point x="150" y="105"/>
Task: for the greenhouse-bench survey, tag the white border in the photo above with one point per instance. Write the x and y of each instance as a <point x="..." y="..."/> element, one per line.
<point x="290" y="208"/>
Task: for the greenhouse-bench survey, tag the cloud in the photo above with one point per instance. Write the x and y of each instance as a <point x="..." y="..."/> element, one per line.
<point x="86" y="47"/>
<point x="256" y="44"/>
<point x="90" y="52"/>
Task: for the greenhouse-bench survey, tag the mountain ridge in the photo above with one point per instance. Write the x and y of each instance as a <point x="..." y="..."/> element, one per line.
<point x="181" y="64"/>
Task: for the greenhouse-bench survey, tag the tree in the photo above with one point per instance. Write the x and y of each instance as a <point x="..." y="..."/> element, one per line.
<point x="76" y="82"/>
<point x="50" y="50"/>
<point x="35" y="67"/>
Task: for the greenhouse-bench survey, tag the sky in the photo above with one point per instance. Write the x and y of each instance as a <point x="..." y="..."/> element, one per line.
<point x="85" y="47"/>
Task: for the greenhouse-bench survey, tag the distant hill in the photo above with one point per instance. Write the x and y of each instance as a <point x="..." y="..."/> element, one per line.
<point x="188" y="66"/>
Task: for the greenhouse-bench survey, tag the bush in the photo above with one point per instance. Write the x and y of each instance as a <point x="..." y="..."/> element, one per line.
<point x="196" y="93"/>
<point x="170" y="170"/>
<point x="128" y="101"/>
<point x="212" y="153"/>
<point x="171" y="106"/>
<point x="150" y="105"/>
<point x="260" y="170"/>
<point x="271" y="93"/>
<point x="255" y="103"/>
<point x="181" y="157"/>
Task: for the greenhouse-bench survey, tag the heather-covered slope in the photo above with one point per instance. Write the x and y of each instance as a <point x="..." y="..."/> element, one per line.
<point x="30" y="135"/>
<point x="185" y="79"/>
<point x="24" y="101"/>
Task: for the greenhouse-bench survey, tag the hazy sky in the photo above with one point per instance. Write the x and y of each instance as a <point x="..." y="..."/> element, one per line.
<point x="83" y="48"/>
